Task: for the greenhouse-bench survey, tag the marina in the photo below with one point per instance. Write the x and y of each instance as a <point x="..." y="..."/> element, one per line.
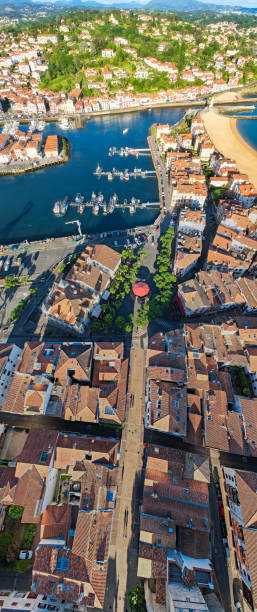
<point x="28" y="199"/>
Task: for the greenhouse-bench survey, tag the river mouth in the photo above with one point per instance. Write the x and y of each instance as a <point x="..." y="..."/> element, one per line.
<point x="26" y="201"/>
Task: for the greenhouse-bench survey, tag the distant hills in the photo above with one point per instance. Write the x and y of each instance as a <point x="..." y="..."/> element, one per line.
<point x="7" y="6"/>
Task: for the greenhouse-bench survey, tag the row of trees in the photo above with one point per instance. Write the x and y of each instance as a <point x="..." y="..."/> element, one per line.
<point x="16" y="313"/>
<point x="165" y="283"/>
<point x="119" y="288"/>
<point x="11" y="281"/>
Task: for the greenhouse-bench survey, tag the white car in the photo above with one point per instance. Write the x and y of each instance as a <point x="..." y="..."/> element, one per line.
<point x="25" y="554"/>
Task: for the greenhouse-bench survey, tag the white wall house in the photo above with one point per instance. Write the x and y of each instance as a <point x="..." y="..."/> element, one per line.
<point x="8" y="367"/>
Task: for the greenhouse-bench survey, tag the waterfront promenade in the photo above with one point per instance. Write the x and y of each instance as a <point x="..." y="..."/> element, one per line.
<point x="21" y="167"/>
<point x="72" y="241"/>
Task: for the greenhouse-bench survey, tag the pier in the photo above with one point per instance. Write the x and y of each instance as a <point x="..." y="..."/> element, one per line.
<point x="124" y="175"/>
<point x="245" y="117"/>
<point x="126" y="151"/>
<point x="98" y="204"/>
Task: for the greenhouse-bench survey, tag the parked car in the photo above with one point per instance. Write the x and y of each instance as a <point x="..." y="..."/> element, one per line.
<point x="7" y="264"/>
<point x="25" y="554"/>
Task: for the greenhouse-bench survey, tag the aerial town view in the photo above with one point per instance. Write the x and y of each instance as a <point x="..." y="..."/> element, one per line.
<point x="128" y="306"/>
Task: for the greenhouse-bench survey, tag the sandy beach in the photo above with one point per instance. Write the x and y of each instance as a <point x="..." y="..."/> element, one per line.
<point x="227" y="140"/>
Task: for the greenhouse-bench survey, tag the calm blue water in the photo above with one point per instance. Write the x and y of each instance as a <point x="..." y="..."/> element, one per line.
<point x="26" y="201"/>
<point x="248" y="129"/>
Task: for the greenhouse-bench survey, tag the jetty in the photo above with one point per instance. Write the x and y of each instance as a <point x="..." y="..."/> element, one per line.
<point x="126" y="151"/>
<point x="124" y="175"/>
<point x="245" y="117"/>
<point x="99" y="204"/>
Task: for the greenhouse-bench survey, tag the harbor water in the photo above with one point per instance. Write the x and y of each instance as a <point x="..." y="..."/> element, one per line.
<point x="248" y="129"/>
<point x="26" y="201"/>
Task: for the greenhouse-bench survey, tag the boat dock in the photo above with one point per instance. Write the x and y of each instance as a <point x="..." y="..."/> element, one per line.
<point x="244" y="117"/>
<point x="98" y="204"/>
<point x="124" y="175"/>
<point x="126" y="151"/>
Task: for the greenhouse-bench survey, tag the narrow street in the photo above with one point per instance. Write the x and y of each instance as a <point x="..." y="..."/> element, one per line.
<point x="124" y="543"/>
<point x="219" y="560"/>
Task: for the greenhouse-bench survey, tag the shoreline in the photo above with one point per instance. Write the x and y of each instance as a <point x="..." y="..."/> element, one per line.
<point x="226" y="138"/>
<point x="29" y="169"/>
<point x="33" y="166"/>
<point x="234" y="97"/>
<point x="101" y="113"/>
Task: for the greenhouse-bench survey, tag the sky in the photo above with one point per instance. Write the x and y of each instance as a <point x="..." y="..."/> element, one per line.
<point x="243" y="3"/>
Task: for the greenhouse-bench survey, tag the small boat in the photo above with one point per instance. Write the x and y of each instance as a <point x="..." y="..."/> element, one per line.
<point x="98" y="169"/>
<point x="78" y="198"/>
<point x="125" y="131"/>
<point x="57" y="209"/>
<point x="112" y="151"/>
<point x="132" y="207"/>
<point x="81" y="209"/>
<point x="64" y="208"/>
<point x="65" y="124"/>
<point x="104" y="208"/>
<point x="110" y="207"/>
<point x="33" y="126"/>
<point x="110" y="176"/>
<point x="115" y="199"/>
<point x="95" y="209"/>
<point x="126" y="175"/>
<point x="100" y="198"/>
<point x="93" y="197"/>
<point x="41" y="126"/>
<point x="121" y="176"/>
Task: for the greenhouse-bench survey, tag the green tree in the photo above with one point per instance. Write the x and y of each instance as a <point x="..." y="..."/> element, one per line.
<point x="61" y="268"/>
<point x="127" y="328"/>
<point x="16" y="512"/>
<point x="95" y="327"/>
<point x="11" y="281"/>
<point x="12" y="552"/>
<point x="29" y="535"/>
<point x="108" y="318"/>
<point x="5" y="541"/>
<point x="136" y="599"/>
<point x="120" y="322"/>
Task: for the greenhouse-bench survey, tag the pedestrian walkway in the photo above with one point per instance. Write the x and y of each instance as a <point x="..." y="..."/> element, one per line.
<point x="124" y="544"/>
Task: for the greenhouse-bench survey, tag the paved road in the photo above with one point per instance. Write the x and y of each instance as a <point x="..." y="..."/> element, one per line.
<point x="12" y="581"/>
<point x="240" y="462"/>
<point x="162" y="177"/>
<point x="219" y="559"/>
<point x="49" y="422"/>
<point x="126" y="521"/>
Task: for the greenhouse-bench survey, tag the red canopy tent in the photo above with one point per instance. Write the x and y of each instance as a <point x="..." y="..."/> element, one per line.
<point x="140" y="289"/>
